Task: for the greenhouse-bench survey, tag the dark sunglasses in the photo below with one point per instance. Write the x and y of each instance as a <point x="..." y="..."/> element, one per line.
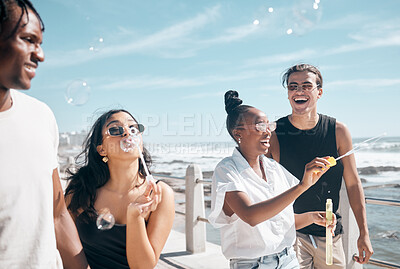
<point x="120" y="130"/>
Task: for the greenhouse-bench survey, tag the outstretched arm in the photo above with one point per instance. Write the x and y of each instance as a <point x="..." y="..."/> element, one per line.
<point x="239" y="203"/>
<point x="355" y="192"/>
<point x="68" y="242"/>
<point x="145" y="243"/>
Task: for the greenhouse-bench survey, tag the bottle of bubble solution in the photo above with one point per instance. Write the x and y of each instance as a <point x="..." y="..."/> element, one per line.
<point x="329" y="247"/>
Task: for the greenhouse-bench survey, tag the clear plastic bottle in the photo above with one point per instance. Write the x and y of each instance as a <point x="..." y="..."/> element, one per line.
<point x="329" y="246"/>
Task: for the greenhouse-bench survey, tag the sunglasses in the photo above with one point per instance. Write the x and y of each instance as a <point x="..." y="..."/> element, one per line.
<point x="262" y="126"/>
<point x="302" y="87"/>
<point x="120" y="130"/>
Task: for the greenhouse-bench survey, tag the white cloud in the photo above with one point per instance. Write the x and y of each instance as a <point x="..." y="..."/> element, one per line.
<point x="296" y="56"/>
<point x="154" y="82"/>
<point x="232" y="34"/>
<point x="203" y="95"/>
<point x="363" y="83"/>
<point x="166" y="38"/>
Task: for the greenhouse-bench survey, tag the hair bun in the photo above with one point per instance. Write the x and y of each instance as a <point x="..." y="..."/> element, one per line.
<point x="232" y="101"/>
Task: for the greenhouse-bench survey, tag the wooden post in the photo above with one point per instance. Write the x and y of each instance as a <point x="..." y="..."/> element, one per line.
<point x="195" y="229"/>
<point x="350" y="228"/>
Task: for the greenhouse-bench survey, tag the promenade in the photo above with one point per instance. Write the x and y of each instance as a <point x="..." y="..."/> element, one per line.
<point x="174" y="255"/>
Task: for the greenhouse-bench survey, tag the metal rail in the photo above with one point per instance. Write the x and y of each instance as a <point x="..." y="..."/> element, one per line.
<point x="379" y="201"/>
<point x="381" y="263"/>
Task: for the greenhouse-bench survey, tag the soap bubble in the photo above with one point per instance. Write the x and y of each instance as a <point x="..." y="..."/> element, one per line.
<point x="105" y="220"/>
<point x="77" y="93"/>
<point x="97" y="44"/>
<point x="256" y="22"/>
<point x="130" y="143"/>
<point x="304" y="16"/>
<point x="271" y="9"/>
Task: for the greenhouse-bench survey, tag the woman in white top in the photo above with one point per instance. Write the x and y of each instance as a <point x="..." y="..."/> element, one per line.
<point x="252" y="195"/>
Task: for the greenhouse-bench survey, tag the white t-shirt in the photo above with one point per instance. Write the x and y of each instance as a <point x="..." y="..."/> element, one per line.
<point x="238" y="239"/>
<point x="28" y="156"/>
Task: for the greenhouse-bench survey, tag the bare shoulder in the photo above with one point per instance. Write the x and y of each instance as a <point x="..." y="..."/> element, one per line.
<point x="167" y="194"/>
<point x="343" y="137"/>
<point x="165" y="188"/>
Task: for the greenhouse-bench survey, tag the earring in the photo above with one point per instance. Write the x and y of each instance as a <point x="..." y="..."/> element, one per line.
<point x="105" y="159"/>
<point x="239" y="140"/>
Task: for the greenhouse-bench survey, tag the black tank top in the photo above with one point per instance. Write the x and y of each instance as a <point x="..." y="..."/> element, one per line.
<point x="297" y="148"/>
<point x="104" y="249"/>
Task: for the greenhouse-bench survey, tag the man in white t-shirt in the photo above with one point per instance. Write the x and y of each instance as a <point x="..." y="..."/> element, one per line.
<point x="35" y="226"/>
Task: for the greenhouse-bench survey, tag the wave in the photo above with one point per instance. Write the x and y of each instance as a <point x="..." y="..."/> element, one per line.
<point x="386" y="146"/>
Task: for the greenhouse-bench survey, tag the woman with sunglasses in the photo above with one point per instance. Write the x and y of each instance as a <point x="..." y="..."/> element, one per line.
<point x="114" y="180"/>
<point x="252" y="195"/>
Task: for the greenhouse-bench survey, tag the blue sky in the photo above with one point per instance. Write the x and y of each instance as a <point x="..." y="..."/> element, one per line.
<point x="169" y="62"/>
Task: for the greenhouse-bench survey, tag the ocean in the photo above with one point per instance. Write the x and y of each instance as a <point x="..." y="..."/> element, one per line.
<point x="378" y="165"/>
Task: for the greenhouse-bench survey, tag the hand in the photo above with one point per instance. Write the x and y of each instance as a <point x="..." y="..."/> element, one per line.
<point x="314" y="170"/>
<point x="147" y="201"/>
<point x="319" y="218"/>
<point x="364" y="249"/>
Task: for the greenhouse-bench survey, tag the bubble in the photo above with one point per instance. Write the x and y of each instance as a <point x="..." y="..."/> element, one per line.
<point x="256" y="22"/>
<point x="97" y="44"/>
<point x="303" y="16"/>
<point x="130" y="143"/>
<point x="289" y="31"/>
<point x="77" y="93"/>
<point x="271" y="9"/>
<point x="105" y="220"/>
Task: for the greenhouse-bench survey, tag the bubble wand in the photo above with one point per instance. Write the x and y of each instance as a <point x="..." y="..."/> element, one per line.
<point x="333" y="160"/>
<point x="128" y="143"/>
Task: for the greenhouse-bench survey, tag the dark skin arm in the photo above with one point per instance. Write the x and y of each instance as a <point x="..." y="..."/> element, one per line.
<point x="239" y="203"/>
<point x="68" y="242"/>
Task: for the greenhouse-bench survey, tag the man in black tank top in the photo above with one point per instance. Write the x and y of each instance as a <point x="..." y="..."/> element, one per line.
<point x="299" y="138"/>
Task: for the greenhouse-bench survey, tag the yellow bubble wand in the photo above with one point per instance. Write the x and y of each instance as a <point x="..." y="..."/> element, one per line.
<point x="333" y="161"/>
